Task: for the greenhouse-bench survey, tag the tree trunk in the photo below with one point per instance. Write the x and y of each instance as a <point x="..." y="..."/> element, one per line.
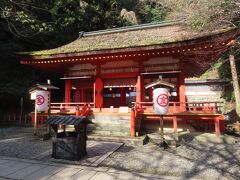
<point x="235" y="83"/>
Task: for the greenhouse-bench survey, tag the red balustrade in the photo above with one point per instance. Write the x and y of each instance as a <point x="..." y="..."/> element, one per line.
<point x="180" y="107"/>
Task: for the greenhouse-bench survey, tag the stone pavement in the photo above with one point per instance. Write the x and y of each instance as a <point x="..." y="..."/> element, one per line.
<point x="15" y="168"/>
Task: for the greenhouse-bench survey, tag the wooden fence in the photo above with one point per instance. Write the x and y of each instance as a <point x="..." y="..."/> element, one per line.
<point x="8" y="119"/>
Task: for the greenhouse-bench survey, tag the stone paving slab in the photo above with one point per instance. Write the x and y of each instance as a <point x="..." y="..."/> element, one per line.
<point x="39" y="170"/>
<point x="44" y="173"/>
<point x="3" y="161"/>
<point x="99" y="169"/>
<point x="103" y="175"/>
<point x="20" y="174"/>
<point x="84" y="175"/>
<point x="13" y="168"/>
<point x="66" y="173"/>
<point x="6" y="164"/>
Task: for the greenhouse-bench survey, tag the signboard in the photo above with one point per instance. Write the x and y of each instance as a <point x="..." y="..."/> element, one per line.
<point x="160" y="101"/>
<point x="42" y="101"/>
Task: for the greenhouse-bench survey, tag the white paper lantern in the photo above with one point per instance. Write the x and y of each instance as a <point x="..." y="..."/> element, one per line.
<point x="42" y="101"/>
<point x="160" y="101"/>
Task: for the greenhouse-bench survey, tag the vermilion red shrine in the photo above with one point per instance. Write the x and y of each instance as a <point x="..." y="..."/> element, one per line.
<point x="109" y="69"/>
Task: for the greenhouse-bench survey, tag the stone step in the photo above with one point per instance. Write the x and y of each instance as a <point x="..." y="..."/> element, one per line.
<point x="112" y="127"/>
<point x="138" y="141"/>
<point x="110" y="119"/>
<point x="110" y="133"/>
<point x="170" y="138"/>
<point x="111" y="123"/>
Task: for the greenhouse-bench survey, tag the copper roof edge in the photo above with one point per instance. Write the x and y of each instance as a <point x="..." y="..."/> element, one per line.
<point x="134" y="27"/>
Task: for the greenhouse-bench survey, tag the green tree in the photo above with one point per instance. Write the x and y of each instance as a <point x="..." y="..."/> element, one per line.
<point x="27" y="25"/>
<point x="203" y="14"/>
<point x="155" y="11"/>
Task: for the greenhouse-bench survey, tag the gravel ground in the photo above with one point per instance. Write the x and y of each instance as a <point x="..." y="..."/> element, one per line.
<point x="192" y="159"/>
<point x="11" y="132"/>
<point x="21" y="143"/>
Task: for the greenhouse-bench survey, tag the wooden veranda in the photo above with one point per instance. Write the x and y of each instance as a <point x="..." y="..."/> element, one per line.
<point x="142" y="112"/>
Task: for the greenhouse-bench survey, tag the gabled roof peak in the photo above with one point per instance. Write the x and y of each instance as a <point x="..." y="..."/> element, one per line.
<point x="133" y="27"/>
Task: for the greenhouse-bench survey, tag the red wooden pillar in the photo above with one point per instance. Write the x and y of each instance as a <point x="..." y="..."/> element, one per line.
<point x="67" y="91"/>
<point x="182" y="97"/>
<point x="217" y="126"/>
<point x="140" y="90"/>
<point x="133" y="124"/>
<point x="175" y="124"/>
<point x="98" y="93"/>
<point x="122" y="96"/>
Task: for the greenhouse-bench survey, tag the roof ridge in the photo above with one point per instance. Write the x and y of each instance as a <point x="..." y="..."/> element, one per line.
<point x="132" y="28"/>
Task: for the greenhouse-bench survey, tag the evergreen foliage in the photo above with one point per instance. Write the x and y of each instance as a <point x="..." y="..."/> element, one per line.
<point x="35" y="25"/>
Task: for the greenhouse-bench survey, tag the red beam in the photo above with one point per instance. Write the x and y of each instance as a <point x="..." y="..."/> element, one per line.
<point x="119" y="75"/>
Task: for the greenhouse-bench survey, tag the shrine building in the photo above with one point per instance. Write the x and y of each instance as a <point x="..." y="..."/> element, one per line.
<point x="108" y="70"/>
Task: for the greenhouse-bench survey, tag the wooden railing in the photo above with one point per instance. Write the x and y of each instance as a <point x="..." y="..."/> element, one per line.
<point x="61" y="107"/>
<point x="15" y="119"/>
<point x="68" y="107"/>
<point x="174" y="107"/>
<point x="178" y="107"/>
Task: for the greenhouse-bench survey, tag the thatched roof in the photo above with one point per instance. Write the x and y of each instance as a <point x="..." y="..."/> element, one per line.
<point x="127" y="37"/>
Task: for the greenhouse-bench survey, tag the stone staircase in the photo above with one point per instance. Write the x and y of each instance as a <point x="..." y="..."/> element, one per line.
<point x="110" y="124"/>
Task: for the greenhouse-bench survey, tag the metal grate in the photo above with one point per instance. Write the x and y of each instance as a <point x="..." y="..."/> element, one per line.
<point x="68" y="120"/>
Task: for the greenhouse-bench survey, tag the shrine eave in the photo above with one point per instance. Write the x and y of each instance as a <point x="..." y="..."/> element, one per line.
<point x="142" y="38"/>
<point x="186" y="48"/>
